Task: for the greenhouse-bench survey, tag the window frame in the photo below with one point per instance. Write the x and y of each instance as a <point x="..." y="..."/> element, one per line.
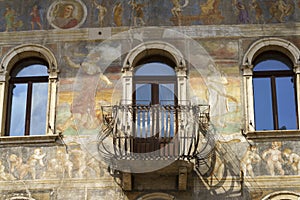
<point x="11" y="60"/>
<point x="248" y="63"/>
<point x="154" y="81"/>
<point x="154" y="51"/>
<point x="29" y="81"/>
<point x="273" y="75"/>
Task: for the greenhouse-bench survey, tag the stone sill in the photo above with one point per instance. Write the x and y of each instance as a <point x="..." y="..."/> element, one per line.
<point x="273" y="135"/>
<point x="30" y="140"/>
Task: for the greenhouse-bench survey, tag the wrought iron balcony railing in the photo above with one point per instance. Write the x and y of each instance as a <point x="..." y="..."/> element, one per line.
<point x="132" y="132"/>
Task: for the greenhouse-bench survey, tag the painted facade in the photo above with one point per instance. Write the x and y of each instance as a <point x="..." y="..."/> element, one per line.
<point x="91" y="40"/>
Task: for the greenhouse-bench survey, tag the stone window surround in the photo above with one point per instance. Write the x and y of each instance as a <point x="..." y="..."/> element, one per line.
<point x="258" y="47"/>
<point x="166" y="51"/>
<point x="157" y="195"/>
<point x="282" y="195"/>
<point x="9" y="60"/>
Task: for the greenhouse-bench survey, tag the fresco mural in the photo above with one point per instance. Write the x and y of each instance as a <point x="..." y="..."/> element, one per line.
<point x="50" y="163"/>
<point x="75" y="161"/>
<point x="66" y="14"/>
<point x="19" y="15"/>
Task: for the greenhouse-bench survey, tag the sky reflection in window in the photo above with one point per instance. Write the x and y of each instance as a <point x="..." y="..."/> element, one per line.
<point x="274" y="96"/>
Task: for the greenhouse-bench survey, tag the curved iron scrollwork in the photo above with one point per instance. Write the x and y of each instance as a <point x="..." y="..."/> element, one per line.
<point x="160" y="132"/>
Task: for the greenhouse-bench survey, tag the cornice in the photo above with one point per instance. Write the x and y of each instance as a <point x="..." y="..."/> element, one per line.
<point x="195" y="32"/>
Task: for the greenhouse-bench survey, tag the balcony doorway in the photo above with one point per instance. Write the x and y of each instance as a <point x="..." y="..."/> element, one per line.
<point x="155" y="116"/>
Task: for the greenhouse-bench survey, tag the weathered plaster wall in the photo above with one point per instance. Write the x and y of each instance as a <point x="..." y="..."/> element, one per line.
<point x="73" y="168"/>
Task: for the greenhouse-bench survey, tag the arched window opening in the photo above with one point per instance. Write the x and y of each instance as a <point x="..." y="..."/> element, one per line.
<point x="274" y="92"/>
<point x="27" y="98"/>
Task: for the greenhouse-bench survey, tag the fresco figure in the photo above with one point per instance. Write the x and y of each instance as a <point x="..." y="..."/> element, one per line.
<point x="293" y="160"/>
<point x="102" y="12"/>
<point x="117" y="14"/>
<point x="250" y="157"/>
<point x="280" y="9"/>
<point x="35" y="17"/>
<point x="11" y="23"/>
<point x="83" y="108"/>
<point x="242" y="12"/>
<point x="34" y="159"/>
<point x="177" y="9"/>
<point x="273" y="158"/>
<point x="210" y="13"/>
<point x="217" y="96"/>
<point x="138" y="13"/>
<point x="17" y="167"/>
<point x="59" y="167"/>
<point x="64" y="19"/>
<point x="208" y="7"/>
<point x="258" y="11"/>
<point x="3" y="175"/>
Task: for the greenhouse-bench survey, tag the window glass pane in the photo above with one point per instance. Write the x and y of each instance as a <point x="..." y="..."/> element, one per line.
<point x="33" y="70"/>
<point x="166" y="94"/>
<point x="155" y="69"/>
<point x="271" y="65"/>
<point x="166" y="97"/>
<point x="18" y="110"/>
<point x="143" y="94"/>
<point x="263" y="104"/>
<point x="39" y="109"/>
<point x="286" y="103"/>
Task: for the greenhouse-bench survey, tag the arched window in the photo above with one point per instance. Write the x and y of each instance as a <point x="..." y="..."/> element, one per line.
<point x="271" y="75"/>
<point x="28" y="89"/>
<point x="27" y="98"/>
<point x="274" y="92"/>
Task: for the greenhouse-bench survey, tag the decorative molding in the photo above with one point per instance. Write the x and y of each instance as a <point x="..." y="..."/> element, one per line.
<point x="6" y="141"/>
<point x="273" y="135"/>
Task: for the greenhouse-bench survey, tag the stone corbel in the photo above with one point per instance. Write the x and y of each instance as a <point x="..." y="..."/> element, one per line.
<point x="127" y="181"/>
<point x="297" y="68"/>
<point x="247" y="70"/>
<point x="182" y="178"/>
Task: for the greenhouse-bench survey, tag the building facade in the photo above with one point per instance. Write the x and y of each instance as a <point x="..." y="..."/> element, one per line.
<point x="137" y="99"/>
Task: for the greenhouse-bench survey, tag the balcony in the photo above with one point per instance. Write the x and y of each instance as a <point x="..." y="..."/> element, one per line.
<point x="153" y="132"/>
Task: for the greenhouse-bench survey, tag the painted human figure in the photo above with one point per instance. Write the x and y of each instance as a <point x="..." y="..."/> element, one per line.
<point x="242" y="12"/>
<point x="293" y="159"/>
<point x="280" y="9"/>
<point x="66" y="19"/>
<point x="17" y="167"/>
<point x="83" y="108"/>
<point x="64" y="161"/>
<point x="217" y="95"/>
<point x="58" y="167"/>
<point x="3" y="175"/>
<point x="138" y="13"/>
<point x="250" y="157"/>
<point x="9" y="16"/>
<point x="258" y="11"/>
<point x="118" y="12"/>
<point x="102" y="12"/>
<point x="177" y="9"/>
<point x="35" y="159"/>
<point x="35" y="17"/>
<point x="274" y="160"/>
